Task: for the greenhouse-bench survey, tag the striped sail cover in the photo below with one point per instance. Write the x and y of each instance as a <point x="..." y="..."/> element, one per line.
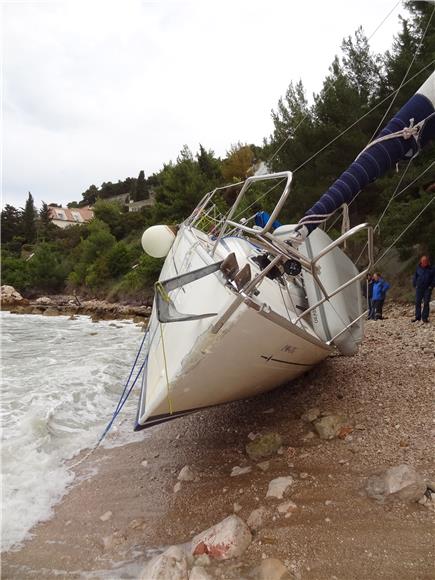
<point x="380" y="157"/>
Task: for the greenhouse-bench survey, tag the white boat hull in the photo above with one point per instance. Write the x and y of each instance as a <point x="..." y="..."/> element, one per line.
<point x="193" y="365"/>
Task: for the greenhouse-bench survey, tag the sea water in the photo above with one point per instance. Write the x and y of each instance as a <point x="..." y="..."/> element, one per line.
<point x="61" y="381"/>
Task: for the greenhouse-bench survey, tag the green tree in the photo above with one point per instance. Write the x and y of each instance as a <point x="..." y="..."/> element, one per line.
<point x="45" y="227"/>
<point x="47" y="270"/>
<point x="90" y="195"/>
<point x="29" y="220"/>
<point x="110" y="213"/>
<point x="140" y="190"/>
<point x="11" y="223"/>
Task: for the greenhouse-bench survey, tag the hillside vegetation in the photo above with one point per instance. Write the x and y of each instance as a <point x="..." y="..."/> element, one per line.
<point x="104" y="258"/>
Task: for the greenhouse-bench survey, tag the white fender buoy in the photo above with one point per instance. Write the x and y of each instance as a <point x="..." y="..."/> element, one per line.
<point x="157" y="241"/>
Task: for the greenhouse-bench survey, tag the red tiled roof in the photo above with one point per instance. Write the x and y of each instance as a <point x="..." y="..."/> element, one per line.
<point x="86" y="213"/>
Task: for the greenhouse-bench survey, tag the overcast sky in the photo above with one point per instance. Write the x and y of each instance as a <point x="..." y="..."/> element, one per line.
<point x="95" y="90"/>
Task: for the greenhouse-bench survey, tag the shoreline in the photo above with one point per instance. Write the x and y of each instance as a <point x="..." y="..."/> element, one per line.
<point x="110" y="524"/>
<point x="66" y="305"/>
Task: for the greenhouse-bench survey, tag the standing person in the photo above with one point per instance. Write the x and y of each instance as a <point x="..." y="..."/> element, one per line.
<point x="423" y="282"/>
<point x="380" y="289"/>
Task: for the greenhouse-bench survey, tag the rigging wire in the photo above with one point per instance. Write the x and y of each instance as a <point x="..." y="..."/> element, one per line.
<point x="404" y="231"/>
<point x="405" y="75"/>
<point x="329" y="88"/>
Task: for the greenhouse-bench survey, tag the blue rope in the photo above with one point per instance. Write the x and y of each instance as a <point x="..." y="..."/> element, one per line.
<point x="122" y="401"/>
<point x="123" y="398"/>
<point x="132" y="369"/>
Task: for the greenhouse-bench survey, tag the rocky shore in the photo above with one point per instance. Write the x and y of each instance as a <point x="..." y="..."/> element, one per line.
<point x="64" y="305"/>
<point x="331" y="477"/>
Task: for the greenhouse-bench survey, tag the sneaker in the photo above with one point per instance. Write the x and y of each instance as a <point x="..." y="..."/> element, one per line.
<point x="425" y="320"/>
<point x="415" y="320"/>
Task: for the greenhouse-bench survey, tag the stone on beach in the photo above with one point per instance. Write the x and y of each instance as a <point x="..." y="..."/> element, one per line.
<point x="278" y="487"/>
<point x="186" y="474"/>
<point x="287" y="508"/>
<point x="329" y="426"/>
<point x="106" y="516"/>
<point x="264" y="446"/>
<point x="401" y="481"/>
<point x="240" y="470"/>
<point x="171" y="565"/>
<point x="9" y="295"/>
<point x="257" y="518"/>
<point x="272" y="569"/>
<point x="227" y="539"/>
<point x="311" y="415"/>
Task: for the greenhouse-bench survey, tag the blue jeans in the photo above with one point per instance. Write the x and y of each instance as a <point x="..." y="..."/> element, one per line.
<point x="422" y="295"/>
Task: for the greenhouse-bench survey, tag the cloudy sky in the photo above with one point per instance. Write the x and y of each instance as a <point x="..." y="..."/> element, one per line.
<point x="95" y="90"/>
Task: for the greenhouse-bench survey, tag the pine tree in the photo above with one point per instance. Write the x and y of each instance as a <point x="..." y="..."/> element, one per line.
<point x="29" y="220"/>
<point x="44" y="222"/>
<point x="140" y="190"/>
<point x="10" y="223"/>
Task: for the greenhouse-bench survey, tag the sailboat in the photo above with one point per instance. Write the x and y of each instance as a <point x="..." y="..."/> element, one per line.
<point x="244" y="304"/>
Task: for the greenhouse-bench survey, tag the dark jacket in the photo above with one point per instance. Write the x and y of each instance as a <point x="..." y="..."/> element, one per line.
<point x="380" y="288"/>
<point x="424" y="278"/>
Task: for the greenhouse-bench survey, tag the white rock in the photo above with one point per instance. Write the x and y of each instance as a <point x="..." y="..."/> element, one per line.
<point x="106" y="516"/>
<point x="177" y="487"/>
<point x="236" y="508"/>
<point x="278" y="487"/>
<point x="402" y="482"/>
<point x="240" y="470"/>
<point x="144" y="463"/>
<point x="272" y="569"/>
<point x="264" y="465"/>
<point x="43" y="300"/>
<point x="287" y="508"/>
<point x="257" y="518"/>
<point x="186" y="474"/>
<point x="227" y="539"/>
<point x="199" y="573"/>
<point x="171" y="565"/>
<point x="9" y="295"/>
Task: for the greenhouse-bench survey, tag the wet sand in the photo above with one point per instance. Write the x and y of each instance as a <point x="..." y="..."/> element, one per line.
<point x="386" y="392"/>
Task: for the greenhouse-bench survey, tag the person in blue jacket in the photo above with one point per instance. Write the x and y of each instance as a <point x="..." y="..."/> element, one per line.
<point x="423" y="282"/>
<point x="379" y="292"/>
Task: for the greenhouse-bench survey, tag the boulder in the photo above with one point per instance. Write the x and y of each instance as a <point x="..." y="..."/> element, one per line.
<point x="44" y="300"/>
<point x="227" y="539"/>
<point x="10" y="296"/>
<point x="329" y="426"/>
<point x="278" y="487"/>
<point x="171" y="565"/>
<point x="402" y="482"/>
<point x="264" y="446"/>
<point x="272" y="569"/>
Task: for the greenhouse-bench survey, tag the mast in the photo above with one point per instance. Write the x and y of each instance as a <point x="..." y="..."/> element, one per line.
<point x="410" y="130"/>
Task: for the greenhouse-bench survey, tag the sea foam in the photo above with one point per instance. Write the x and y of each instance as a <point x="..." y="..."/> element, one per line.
<point x="61" y="382"/>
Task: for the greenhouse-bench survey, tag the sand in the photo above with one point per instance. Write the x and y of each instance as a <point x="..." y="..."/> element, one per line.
<point x="386" y="394"/>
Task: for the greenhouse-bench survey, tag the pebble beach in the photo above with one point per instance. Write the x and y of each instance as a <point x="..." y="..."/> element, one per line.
<point x="330" y="437"/>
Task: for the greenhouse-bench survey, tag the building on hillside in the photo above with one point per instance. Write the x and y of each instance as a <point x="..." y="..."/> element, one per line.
<point x="64" y="217"/>
<point x="138" y="205"/>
